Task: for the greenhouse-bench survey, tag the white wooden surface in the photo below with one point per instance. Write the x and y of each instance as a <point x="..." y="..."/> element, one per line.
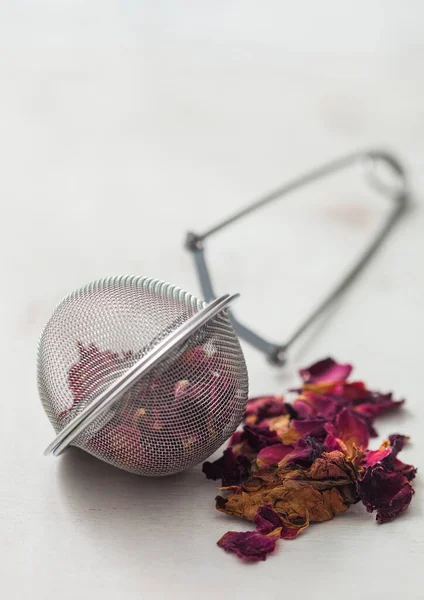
<point x="123" y="124"/>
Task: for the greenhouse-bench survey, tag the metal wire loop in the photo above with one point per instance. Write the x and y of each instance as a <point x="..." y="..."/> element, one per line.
<point x="397" y="191"/>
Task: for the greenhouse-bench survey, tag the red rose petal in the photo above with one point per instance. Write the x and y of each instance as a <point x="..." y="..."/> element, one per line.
<point x="385" y="491"/>
<point x="266" y="519"/>
<point x="248" y="545"/>
<point x="272" y="455"/>
<point x="326" y="370"/>
<point x="350" y="428"/>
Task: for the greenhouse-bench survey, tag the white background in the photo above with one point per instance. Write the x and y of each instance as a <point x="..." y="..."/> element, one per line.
<point x="122" y="125"/>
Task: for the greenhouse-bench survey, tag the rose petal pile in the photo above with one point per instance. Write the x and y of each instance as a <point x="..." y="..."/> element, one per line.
<point x="297" y="463"/>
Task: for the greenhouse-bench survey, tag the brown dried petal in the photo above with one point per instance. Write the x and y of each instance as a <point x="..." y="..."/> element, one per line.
<point x="297" y="495"/>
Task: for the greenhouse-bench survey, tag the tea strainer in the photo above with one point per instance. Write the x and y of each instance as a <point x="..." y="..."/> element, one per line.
<point x="149" y="378"/>
<point x="141" y="374"/>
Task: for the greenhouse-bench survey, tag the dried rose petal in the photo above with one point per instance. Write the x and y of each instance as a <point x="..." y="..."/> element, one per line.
<point x="269" y="522"/>
<point x="316" y="450"/>
<point x="350" y="428"/>
<point x="91" y="371"/>
<point x="303" y="453"/>
<point x="385" y="491"/>
<point x="180" y="390"/>
<point x="236" y="438"/>
<point x="325" y="370"/>
<point x="376" y="404"/>
<point x="304" y="428"/>
<point x="272" y="455"/>
<point x="240" y="446"/>
<point x="311" y="405"/>
<point x="387" y="455"/>
<point x="230" y="468"/>
<point x="397" y="443"/>
<point x="248" y="545"/>
<point x="194" y="356"/>
<point x="120" y="444"/>
<point x="259" y="436"/>
<point x="333" y="443"/>
<point x="279" y="425"/>
<point x="266" y="519"/>
<point x="353" y="391"/>
<point x="266" y="407"/>
<point x="409" y="471"/>
<point x="290" y="531"/>
<point x="375" y="456"/>
<point x="391" y="462"/>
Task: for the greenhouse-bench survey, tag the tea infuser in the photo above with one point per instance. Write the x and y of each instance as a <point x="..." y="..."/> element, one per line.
<point x="173" y="362"/>
<point x="151" y="379"/>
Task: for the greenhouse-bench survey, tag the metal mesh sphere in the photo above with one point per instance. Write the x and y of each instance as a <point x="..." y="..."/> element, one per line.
<point x="180" y="412"/>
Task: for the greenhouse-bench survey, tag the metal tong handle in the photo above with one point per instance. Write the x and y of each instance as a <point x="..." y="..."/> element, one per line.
<point x="399" y="194"/>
